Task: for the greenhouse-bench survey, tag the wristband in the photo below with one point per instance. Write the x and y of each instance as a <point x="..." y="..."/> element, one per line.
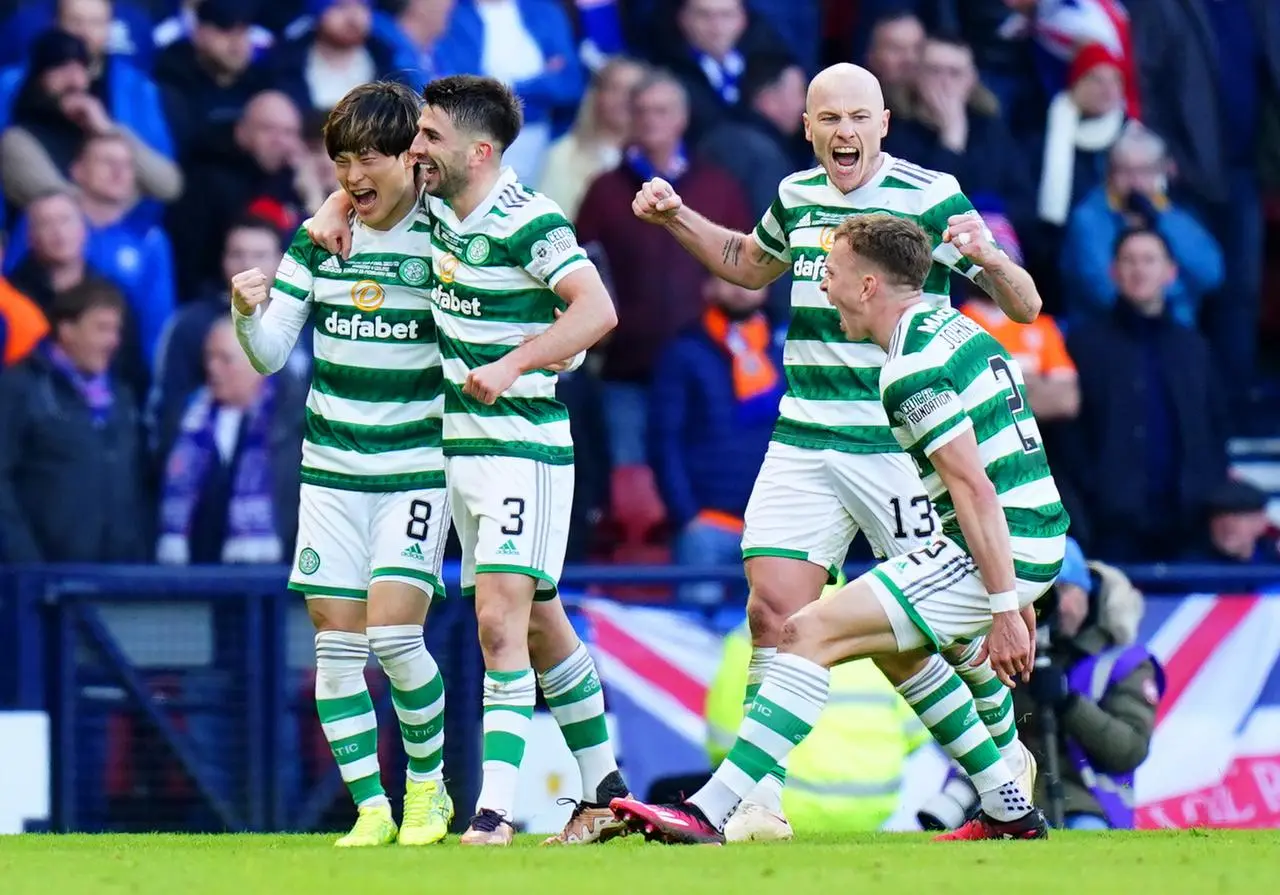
<point x="1004" y="602"/>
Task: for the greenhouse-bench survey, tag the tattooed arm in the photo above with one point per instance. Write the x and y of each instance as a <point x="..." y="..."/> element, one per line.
<point x="728" y="254"/>
<point x="1011" y="288"/>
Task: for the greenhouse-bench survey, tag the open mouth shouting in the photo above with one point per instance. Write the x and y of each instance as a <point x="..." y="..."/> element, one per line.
<point x="847" y="158"/>
<point x="364" y="200"/>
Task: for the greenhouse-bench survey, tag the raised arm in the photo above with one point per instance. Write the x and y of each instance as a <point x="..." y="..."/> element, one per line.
<point x="969" y="250"/>
<point x="737" y="257"/>
<point x="267" y="337"/>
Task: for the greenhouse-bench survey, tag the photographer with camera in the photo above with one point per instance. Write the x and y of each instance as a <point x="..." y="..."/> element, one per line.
<point x="1098" y="688"/>
<point x="1090" y="708"/>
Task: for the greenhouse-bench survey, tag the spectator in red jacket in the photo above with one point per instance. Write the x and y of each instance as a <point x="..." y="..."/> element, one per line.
<point x="656" y="282"/>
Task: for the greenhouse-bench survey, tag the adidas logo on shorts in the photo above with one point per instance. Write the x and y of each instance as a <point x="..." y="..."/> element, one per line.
<point x="413" y="551"/>
<point x="509" y="549"/>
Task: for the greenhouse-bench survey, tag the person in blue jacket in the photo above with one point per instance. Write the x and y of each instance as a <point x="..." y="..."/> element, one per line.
<point x="128" y="95"/>
<point x="1135" y="194"/>
<point x="528" y="44"/>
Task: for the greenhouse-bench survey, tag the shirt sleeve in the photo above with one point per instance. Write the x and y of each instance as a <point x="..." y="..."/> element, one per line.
<point x="770" y="235"/>
<point x="268" y="336"/>
<point x="924" y="408"/>
<point x="951" y="202"/>
<point x="547" y="248"/>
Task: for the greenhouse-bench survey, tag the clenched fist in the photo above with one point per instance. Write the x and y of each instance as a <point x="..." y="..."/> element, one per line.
<point x="657" y="202"/>
<point x="249" y="288"/>
<point x="970" y="236"/>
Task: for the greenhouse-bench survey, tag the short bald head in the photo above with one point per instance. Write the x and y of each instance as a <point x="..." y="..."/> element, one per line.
<point x="845" y="120"/>
<point x="270" y="129"/>
<point x="844" y="83"/>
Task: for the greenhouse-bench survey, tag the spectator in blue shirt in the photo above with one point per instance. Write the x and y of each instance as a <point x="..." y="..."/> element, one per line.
<point x="528" y="44"/>
<point x="139" y="258"/>
<point x="711" y="411"/>
<point x="332" y="51"/>
<point x="127" y="96"/>
<point x="1135" y="194"/>
<point x="417" y="33"/>
<point x="127" y="27"/>
<point x="54" y="110"/>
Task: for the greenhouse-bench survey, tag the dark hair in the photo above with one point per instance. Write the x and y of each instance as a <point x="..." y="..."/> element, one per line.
<point x="381" y="117"/>
<point x="764" y="70"/>
<point x="894" y="12"/>
<point x="1133" y="232"/>
<point x="479" y="105"/>
<point x="896" y="245"/>
<point x="948" y="38"/>
<point x="80" y="299"/>
<point x="254" y="222"/>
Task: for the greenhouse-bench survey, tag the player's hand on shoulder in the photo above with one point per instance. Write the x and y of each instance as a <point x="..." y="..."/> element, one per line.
<point x="330" y="226"/>
<point x="249" y="288"/>
<point x="657" y="202"/>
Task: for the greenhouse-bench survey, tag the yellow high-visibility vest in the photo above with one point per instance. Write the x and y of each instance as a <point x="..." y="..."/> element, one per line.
<point x="847" y="775"/>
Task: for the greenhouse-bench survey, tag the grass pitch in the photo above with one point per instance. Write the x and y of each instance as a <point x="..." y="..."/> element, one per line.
<point x="1194" y="862"/>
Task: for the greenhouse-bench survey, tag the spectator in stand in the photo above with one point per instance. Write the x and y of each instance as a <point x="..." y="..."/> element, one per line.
<point x="710" y="54"/>
<point x="208" y="76"/>
<point x="53" y="113"/>
<point x="418" y="29"/>
<point x="1053" y="387"/>
<point x="57" y="260"/>
<point x="1136" y="194"/>
<point x="893" y="55"/>
<point x="1149" y="445"/>
<point x="656" y="283"/>
<point x="711" y="415"/>
<point x="117" y="91"/>
<point x="22" y="322"/>
<point x="1239" y="529"/>
<point x="1002" y="50"/>
<point x="251" y="242"/>
<point x="765" y="145"/>
<point x="528" y="44"/>
<point x="957" y="129"/>
<point x="184" y="22"/>
<point x="335" y="52"/>
<point x="71" y="484"/>
<point x="1209" y="70"/>
<point x="133" y="254"/>
<point x="595" y="143"/>
<point x="1060" y="28"/>
<point x="128" y="33"/>
<point x="229" y="491"/>
<point x="1084" y="122"/>
<point x="266" y="172"/>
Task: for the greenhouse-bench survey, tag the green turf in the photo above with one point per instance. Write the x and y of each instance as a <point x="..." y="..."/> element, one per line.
<point x="1199" y="862"/>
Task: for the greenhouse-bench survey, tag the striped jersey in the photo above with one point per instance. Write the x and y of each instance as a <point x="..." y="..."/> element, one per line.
<point x="495" y="273"/>
<point x="832" y="400"/>
<point x="946" y="375"/>
<point x="374" y="411"/>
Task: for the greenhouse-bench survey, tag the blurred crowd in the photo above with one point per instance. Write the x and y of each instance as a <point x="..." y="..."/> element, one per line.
<point x="150" y="149"/>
